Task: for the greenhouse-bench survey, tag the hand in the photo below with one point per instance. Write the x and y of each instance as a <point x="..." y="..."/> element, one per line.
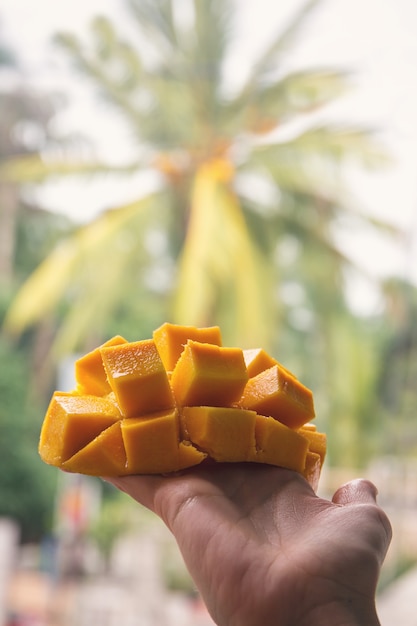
<point x="262" y="548"/>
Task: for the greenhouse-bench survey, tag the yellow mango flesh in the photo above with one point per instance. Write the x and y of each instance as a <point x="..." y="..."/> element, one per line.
<point x="152" y="444"/>
<point x="317" y="442"/>
<point x="218" y="403"/>
<point x="137" y="377"/>
<point x="208" y="375"/>
<point x="258" y="360"/>
<point x="312" y="469"/>
<point x="71" y="422"/>
<point x="276" y="444"/>
<point x="226" y="434"/>
<point x="277" y="394"/>
<point x="103" y="456"/>
<point x="170" y="340"/>
<point x="89" y="370"/>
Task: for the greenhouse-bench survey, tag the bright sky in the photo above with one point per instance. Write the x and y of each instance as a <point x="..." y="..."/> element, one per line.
<point x="375" y="38"/>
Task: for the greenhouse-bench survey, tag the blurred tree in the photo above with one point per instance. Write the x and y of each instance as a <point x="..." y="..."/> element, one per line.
<point x="26" y="484"/>
<point x="397" y="390"/>
<point x="27" y="234"/>
<point x="239" y="171"/>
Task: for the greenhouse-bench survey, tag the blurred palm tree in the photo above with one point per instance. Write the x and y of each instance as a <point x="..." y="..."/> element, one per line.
<point x="242" y="174"/>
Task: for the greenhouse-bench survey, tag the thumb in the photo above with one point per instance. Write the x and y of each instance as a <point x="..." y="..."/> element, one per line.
<point x="359" y="491"/>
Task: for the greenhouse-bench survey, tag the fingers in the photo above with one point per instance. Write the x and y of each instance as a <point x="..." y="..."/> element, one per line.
<point x="363" y="492"/>
<point x="359" y="491"/>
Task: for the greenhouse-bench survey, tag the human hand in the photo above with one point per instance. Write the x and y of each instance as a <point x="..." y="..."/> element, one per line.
<point x="262" y="548"/>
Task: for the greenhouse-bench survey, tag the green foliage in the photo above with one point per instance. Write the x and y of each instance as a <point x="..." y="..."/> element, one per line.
<point x="26" y="484"/>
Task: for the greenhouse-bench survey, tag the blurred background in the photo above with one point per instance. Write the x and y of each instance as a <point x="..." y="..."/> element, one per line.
<point x="224" y="162"/>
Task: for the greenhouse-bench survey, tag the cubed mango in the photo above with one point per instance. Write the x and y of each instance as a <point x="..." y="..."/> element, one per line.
<point x="275" y="393"/>
<point x="71" y="422"/>
<point x="226" y="434"/>
<point x="138" y="378"/>
<point x="208" y="375"/>
<point x="170" y="340"/>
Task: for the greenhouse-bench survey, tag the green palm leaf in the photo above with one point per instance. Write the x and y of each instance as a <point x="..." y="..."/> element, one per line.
<point x="78" y="261"/>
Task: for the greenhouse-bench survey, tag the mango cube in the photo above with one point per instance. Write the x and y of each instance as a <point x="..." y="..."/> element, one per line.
<point x="275" y="393"/>
<point x="138" y="378"/>
<point x="71" y="422"/>
<point x="170" y="340"/>
<point x="152" y="443"/>
<point x="103" y="456"/>
<point x="277" y="444"/>
<point x="208" y="375"/>
<point x="89" y="370"/>
<point x="226" y="434"/>
<point x="317" y="442"/>
<point x="257" y="360"/>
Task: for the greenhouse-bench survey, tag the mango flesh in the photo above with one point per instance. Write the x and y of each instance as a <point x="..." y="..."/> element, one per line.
<point x="71" y="422"/>
<point x="137" y="377"/>
<point x="208" y="375"/>
<point x="170" y="340"/>
<point x="168" y="403"/>
<point x="276" y="393"/>
<point x="89" y="370"/>
<point x="224" y="433"/>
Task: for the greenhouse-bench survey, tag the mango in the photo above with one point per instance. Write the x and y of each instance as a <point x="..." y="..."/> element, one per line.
<point x="206" y="374"/>
<point x="170" y="340"/>
<point x="71" y="422"/>
<point x="164" y="404"/>
<point x="276" y="393"/>
<point x="278" y="444"/>
<point x="105" y="455"/>
<point x="89" y="370"/>
<point x="137" y="377"/>
<point x="225" y="434"/>
<point x="257" y="360"/>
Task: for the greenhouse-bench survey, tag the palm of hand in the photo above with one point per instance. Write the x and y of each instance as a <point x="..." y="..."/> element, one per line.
<point x="256" y="539"/>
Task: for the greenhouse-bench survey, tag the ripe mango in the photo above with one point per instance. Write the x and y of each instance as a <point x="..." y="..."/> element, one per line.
<point x="167" y="403"/>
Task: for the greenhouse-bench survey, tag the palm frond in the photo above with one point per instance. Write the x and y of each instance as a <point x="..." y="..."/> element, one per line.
<point x="78" y="258"/>
<point x="269" y="60"/>
<point x="33" y="168"/>
<point x="295" y="94"/>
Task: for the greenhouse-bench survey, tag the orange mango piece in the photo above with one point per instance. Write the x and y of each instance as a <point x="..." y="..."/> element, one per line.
<point x="208" y="375"/>
<point x="226" y="434"/>
<point x="317" y="442"/>
<point x="257" y="360"/>
<point x="71" y="422"/>
<point x="137" y="377"/>
<point x="170" y="340"/>
<point x="89" y="370"/>
<point x="275" y="393"/>
<point x="152" y="444"/>
<point x="312" y="469"/>
<point x="103" y="456"/>
<point x="188" y="455"/>
<point x="276" y="444"/>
